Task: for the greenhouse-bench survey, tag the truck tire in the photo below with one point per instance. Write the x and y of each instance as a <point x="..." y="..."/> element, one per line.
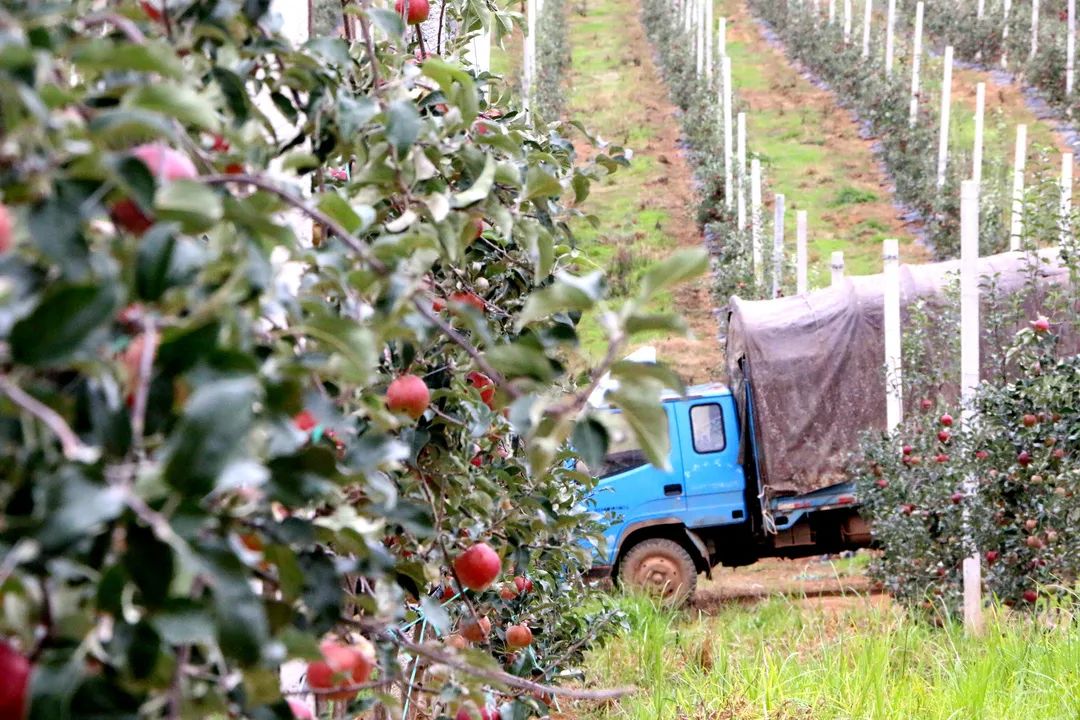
<point x="661" y="567"/>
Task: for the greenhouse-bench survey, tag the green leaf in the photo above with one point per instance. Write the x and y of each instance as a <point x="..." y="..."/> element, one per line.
<point x="152" y="56"/>
<point x="456" y="84"/>
<point x="131" y="125"/>
<point x="629" y="369"/>
<point x="150" y="564"/>
<point x="236" y="95"/>
<point x="639" y="400"/>
<point x="165" y="260"/>
<point x="677" y="268"/>
<point x="214" y="426"/>
<point x="74" y="506"/>
<point x="590" y="440"/>
<point x="354" y="220"/>
<point x="402" y="125"/>
<point x="63" y="324"/>
<point x="540" y="183"/>
<point x="354" y="112"/>
<point x="289" y="573"/>
<point x="522" y="360"/>
<point x="637" y="323"/>
<point x="480" y="189"/>
<point x="194" y="205"/>
<point x="388" y="21"/>
<point x="56" y="229"/>
<point x="567" y="293"/>
<point x="176" y="101"/>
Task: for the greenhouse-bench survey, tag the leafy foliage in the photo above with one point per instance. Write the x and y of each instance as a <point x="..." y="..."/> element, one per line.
<point x="202" y="477"/>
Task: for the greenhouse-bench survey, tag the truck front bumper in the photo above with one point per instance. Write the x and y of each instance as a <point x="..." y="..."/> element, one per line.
<point x="599" y="572"/>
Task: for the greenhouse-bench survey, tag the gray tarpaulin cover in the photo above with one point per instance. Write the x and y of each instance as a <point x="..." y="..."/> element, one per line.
<point x="816" y="363"/>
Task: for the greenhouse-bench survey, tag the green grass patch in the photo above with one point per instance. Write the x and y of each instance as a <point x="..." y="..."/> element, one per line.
<point x="853" y="196"/>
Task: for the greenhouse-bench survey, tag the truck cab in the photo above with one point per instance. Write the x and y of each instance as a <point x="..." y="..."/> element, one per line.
<point x="670" y="525"/>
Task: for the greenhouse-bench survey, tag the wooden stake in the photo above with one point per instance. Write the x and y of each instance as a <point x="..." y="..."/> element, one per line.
<point x="969" y="379"/>
<point x="740" y="169"/>
<point x="778" y="245"/>
<point x="894" y="406"/>
<point x="755" y="220"/>
<point x="916" y="59"/>
<point x="868" y="14"/>
<point x="977" y="151"/>
<point x="836" y="268"/>
<point x="800" y="252"/>
<point x="1065" y="222"/>
<point x="1016" y="226"/>
<point x="728" y="101"/>
<point x="1034" y="29"/>
<point x="946" y="99"/>
<point x="890" y="23"/>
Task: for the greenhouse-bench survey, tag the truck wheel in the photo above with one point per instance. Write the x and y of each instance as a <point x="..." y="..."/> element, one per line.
<point x="661" y="567"/>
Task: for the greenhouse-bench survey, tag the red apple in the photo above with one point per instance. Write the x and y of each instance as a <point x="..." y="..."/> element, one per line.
<point x="1059" y="453"/>
<point x="408" y="394"/>
<point x="981" y="454"/>
<point x="304" y="421"/>
<point x="907" y="508"/>
<point x="946" y="420"/>
<point x="5" y="229"/>
<point x="476" y="631"/>
<point x="957" y="498"/>
<point x="519" y="636"/>
<point x="478" y="567"/>
<point x="484" y="384"/>
<point x="165" y="163"/>
<point x="1024" y="458"/>
<point x="941" y="458"/>
<point x="470" y="712"/>
<point x="943" y="436"/>
<point x="524" y="584"/>
<point x="992" y="556"/>
<point x="926" y="403"/>
<point x="468" y="298"/>
<point x="128" y="215"/>
<point x="14" y="682"/>
<point x="882" y="483"/>
<point x="1030" y="596"/>
<point x="220" y="145"/>
<point x="907" y="449"/>
<point x="418" y="10"/>
<point x="342" y="666"/>
<point x="456" y="641"/>
<point x="1041" y="324"/>
<point x="1034" y="542"/>
<point x="478" y="227"/>
<point x="300" y="711"/>
<point x="508" y="591"/>
<point x="338" y="174"/>
<point x="1029" y="420"/>
<point x="151" y="10"/>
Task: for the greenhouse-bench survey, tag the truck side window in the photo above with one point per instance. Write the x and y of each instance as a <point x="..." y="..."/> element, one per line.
<point x="707" y="426"/>
<point x="624" y="453"/>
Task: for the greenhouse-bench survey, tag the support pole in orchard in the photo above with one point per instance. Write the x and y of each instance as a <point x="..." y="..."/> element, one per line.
<point x="890" y="37"/>
<point x="969" y="381"/>
<point x="847" y="22"/>
<point x="755" y="221"/>
<point x="529" y="66"/>
<point x="1016" y="225"/>
<point x="1065" y="222"/>
<point x="708" y="40"/>
<point x="946" y="99"/>
<point x="977" y="150"/>
<point x="727" y="100"/>
<point x="916" y="59"/>
<point x="832" y="12"/>
<point x="778" y="245"/>
<point x="1070" y="49"/>
<point x="740" y="170"/>
<point x="721" y="37"/>
<point x="836" y="268"/>
<point x="800" y="252"/>
<point x="894" y="398"/>
<point x="1006" y="8"/>
<point x="1034" y="29"/>
<point x="868" y="15"/>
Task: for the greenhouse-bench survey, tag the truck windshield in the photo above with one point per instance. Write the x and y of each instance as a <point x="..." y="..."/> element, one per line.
<point x="624" y="452"/>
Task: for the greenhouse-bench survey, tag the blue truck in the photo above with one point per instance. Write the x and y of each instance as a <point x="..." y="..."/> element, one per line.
<point x="710" y="508"/>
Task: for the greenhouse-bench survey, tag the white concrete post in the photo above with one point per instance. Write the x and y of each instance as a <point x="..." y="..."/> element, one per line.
<point x="977" y="151"/>
<point x="1066" y="197"/>
<point x="1034" y="28"/>
<point x="916" y="59"/>
<point x="832" y="12"/>
<point x="847" y="22"/>
<point x="836" y="268"/>
<point x="721" y="37"/>
<point x="980" y="6"/>
<point x="479" y="53"/>
<point x="699" y="36"/>
<point x="729" y="131"/>
<point x="969" y="379"/>
<point x="740" y="169"/>
<point x="1070" y="47"/>
<point x="1006" y="8"/>
<point x="890" y="25"/>
<point x="778" y="245"/>
<point x="946" y="99"/>
<point x="755" y="220"/>
<point x="1016" y="226"/>
<point x="800" y="252"/>
<point x="868" y="14"/>
<point x="529" y="65"/>
<point x="894" y="398"/>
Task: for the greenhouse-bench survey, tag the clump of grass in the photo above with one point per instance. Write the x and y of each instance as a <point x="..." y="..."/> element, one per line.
<point x="783" y="659"/>
<point x="848" y="195"/>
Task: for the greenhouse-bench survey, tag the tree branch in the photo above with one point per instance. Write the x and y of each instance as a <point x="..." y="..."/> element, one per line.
<point x="73" y="447"/>
<point x="142" y="386"/>
<point x="130" y="30"/>
<point x="365" y="28"/>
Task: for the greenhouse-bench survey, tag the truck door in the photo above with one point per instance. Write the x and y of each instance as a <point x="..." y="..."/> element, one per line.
<point x="708" y="439"/>
<point x="632" y="488"/>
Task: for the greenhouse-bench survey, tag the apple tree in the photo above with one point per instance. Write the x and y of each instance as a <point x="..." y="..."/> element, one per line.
<point x="210" y="470"/>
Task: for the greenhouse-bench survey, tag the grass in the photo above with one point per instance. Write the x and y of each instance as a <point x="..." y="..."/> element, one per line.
<point x="783" y="659"/>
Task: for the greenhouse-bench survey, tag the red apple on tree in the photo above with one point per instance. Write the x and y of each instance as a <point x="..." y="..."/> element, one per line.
<point x="468" y="298"/>
<point x="485" y="385"/>
<point x="907" y="450"/>
<point x="943" y="436"/>
<point x="5" y="229"/>
<point x="418" y="10"/>
<point x="408" y="394"/>
<point x="992" y="556"/>
<point x="1029" y="420"/>
<point x="300" y="711"/>
<point x="471" y="712"/>
<point x="478" y="567"/>
<point x="519" y="636"/>
<point x="947" y="420"/>
<point x="476" y="631"/>
<point x="1030" y="596"/>
<point x="508" y="591"/>
<point x="342" y="666"/>
<point x="926" y="404"/>
<point x="165" y="164"/>
<point x="957" y="498"/>
<point x="14" y="682"/>
<point x="882" y="483"/>
<point x="1024" y="458"/>
<point x="524" y="584"/>
<point x="1041" y="324"/>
